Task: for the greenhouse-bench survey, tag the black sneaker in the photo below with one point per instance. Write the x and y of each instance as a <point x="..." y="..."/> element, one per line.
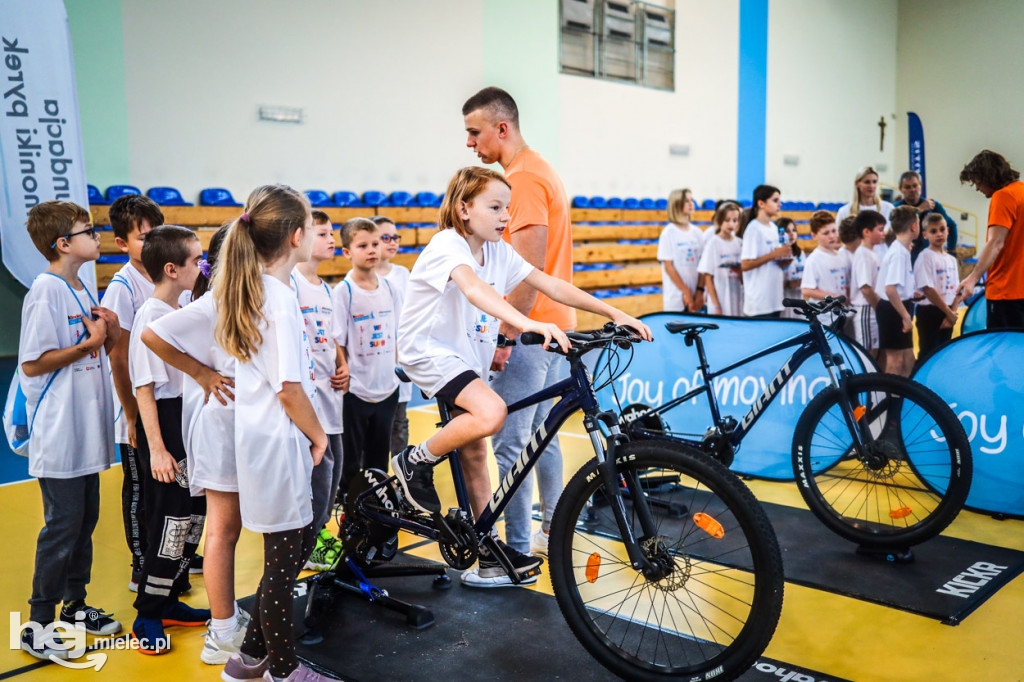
<point x="195" y="564"/>
<point x="43" y="646"/>
<point x="489" y="572"/>
<point x="95" y="621"/>
<point x="417" y="481"/>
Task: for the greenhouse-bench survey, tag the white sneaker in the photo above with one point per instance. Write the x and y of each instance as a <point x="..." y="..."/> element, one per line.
<point x="471" y="578"/>
<point x="218" y="651"/>
<point x="539" y="543"/>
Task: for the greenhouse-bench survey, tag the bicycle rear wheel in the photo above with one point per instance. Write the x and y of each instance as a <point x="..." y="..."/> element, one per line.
<point x="914" y="473"/>
<point x="713" y="613"/>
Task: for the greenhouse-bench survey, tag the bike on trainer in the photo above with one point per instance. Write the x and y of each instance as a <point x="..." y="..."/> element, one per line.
<point x="692" y="593"/>
<point x="881" y="460"/>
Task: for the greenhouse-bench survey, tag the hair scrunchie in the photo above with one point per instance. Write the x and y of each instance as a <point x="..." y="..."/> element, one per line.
<point x="244" y="218"/>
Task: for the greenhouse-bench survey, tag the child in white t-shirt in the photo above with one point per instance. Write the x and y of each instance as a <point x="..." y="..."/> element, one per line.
<point x="365" y="323"/>
<point x="448" y="335"/>
<point x="398" y="276"/>
<point x="720" y="263"/>
<point x="331" y="372"/>
<point x="173" y="518"/>
<point x="827" y="271"/>
<point x="131" y="218"/>
<point x="793" y="275"/>
<point x="679" y="248"/>
<point x="937" y="277"/>
<point x="869" y="228"/>
<point x="764" y="257"/>
<point x="63" y="370"/>
<point x="185" y="340"/>
<point x="278" y="436"/>
<point x="895" y="335"/>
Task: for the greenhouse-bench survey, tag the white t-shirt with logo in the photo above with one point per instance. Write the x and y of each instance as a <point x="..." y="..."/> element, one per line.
<point x="829" y="272"/>
<point x="125" y="294"/>
<point x="683" y="248"/>
<point x="718" y="255"/>
<point x="441" y="333"/>
<point x="272" y="454"/>
<point x="144" y="366"/>
<point x="208" y="428"/>
<point x="762" y="287"/>
<point x="938" y="271"/>
<point x="898" y="270"/>
<point x="73" y="431"/>
<point x="864" y="272"/>
<point x="399" y="279"/>
<point x="365" y="324"/>
<point x="317" y="311"/>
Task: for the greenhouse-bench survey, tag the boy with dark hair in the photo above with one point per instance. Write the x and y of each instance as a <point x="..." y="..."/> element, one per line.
<point x="131" y="218"/>
<point x="366" y="309"/>
<point x="935" y="274"/>
<point x="870" y="226"/>
<point x="173" y="518"/>
<point x="895" y="335"/>
<point x="62" y="356"/>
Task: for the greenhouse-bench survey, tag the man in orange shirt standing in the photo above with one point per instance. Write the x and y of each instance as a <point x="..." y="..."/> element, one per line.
<point x="540" y="231"/>
<point x="1003" y="254"/>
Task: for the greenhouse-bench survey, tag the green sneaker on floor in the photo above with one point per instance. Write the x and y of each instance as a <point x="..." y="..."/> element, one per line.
<point x="326" y="553"/>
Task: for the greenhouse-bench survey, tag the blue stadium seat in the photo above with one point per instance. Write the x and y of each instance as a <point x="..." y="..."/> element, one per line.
<point x="746" y="203"/>
<point x="428" y="199"/>
<point x="319" y="198"/>
<point x="580" y="202"/>
<point x="632" y="203"/>
<point x="708" y="205"/>
<point x="115" y="191"/>
<point x="96" y="197"/>
<point x="216" y="196"/>
<point x="400" y="199"/>
<point x="167" y="196"/>
<point x="346" y="199"/>
<point x="374" y="198"/>
<point x="615" y="202"/>
<point x="648" y="204"/>
<point x="790" y="206"/>
<point x="661" y="204"/>
<point x="598" y="202"/>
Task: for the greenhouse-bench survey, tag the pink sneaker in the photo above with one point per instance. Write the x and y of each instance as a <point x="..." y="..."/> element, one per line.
<point x="302" y="674"/>
<point x="237" y="670"/>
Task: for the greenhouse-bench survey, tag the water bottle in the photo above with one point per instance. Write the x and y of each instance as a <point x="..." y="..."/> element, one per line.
<point x="783" y="239"/>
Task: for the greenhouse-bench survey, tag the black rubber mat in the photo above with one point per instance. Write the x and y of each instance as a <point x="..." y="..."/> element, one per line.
<point x="487" y="635"/>
<point x="948" y="579"/>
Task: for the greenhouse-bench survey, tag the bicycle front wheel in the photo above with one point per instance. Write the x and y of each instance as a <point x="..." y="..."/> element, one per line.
<point x="908" y="481"/>
<point x="717" y="605"/>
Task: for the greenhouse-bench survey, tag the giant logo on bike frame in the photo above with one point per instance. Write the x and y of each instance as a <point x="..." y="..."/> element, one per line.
<point x="667" y="368"/>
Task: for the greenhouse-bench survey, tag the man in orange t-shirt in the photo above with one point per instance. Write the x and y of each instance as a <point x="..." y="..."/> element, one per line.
<point x="540" y="231"/>
<point x="1003" y="254"/>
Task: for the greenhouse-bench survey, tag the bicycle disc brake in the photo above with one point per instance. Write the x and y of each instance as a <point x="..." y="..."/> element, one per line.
<point x="365" y="539"/>
<point x="462" y="550"/>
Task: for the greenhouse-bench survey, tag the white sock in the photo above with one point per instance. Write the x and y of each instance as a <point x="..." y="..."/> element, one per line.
<point x="221" y="628"/>
<point x="420" y="453"/>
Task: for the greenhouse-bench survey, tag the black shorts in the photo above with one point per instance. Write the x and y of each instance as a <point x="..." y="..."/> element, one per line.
<point x="890" y="326"/>
<point x="1005" y="313"/>
<point x="450" y="391"/>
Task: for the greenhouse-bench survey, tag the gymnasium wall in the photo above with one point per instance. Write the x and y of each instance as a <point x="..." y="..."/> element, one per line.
<point x="959" y="68"/>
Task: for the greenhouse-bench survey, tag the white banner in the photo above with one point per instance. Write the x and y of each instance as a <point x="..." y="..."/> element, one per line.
<point x="41" y="155"/>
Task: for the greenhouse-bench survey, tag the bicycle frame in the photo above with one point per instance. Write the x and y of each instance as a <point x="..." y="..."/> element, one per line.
<point x="810" y="343"/>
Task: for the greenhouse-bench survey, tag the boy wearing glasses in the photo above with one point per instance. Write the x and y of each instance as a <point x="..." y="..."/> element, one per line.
<point x="131" y="218"/>
<point x="398" y="276"/>
<point x="62" y="356"/>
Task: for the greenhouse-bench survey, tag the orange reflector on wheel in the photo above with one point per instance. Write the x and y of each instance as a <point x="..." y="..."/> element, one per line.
<point x="593" y="567"/>
<point x="858" y="412"/>
<point x="709" y="525"/>
<point x="901" y="513"/>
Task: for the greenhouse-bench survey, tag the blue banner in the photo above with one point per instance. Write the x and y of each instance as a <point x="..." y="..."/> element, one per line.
<point x="667" y="368"/>
<point x="976" y="317"/>
<point x="981" y="377"/>
<point x="915" y="136"/>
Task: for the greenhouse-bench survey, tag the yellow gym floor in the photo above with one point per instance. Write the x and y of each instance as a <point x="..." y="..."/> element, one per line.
<point x="835" y="635"/>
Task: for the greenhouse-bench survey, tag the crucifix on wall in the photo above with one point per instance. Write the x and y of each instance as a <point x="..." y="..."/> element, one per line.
<point x="881" y="134"/>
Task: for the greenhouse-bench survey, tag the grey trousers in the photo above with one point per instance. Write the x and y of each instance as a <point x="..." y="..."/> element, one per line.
<point x="71" y="508"/>
<point x="326" y="476"/>
<point x="529" y="369"/>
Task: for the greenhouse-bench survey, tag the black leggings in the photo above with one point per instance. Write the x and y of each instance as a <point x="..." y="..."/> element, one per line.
<point x="270" y="630"/>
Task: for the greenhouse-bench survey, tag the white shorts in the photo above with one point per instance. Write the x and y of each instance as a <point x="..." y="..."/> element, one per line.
<point x="865" y="327"/>
<point x="433" y="374"/>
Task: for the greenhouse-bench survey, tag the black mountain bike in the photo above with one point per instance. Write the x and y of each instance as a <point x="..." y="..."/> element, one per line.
<point x="881" y="460"/>
<point x="662" y="562"/>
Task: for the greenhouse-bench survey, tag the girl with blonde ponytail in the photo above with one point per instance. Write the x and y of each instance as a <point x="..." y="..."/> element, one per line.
<point x="278" y="438"/>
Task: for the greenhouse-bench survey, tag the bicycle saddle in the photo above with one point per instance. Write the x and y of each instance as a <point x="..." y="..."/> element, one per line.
<point x="680" y="327"/>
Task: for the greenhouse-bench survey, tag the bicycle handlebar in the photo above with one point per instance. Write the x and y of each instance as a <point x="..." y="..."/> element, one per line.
<point x="623" y="337"/>
<point x="815" y="308"/>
